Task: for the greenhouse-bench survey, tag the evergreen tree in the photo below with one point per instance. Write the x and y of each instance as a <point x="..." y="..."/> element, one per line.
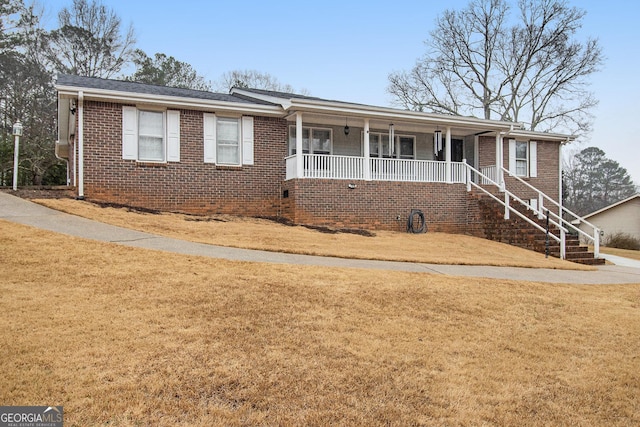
<point x="165" y="70"/>
<point x="591" y="181"/>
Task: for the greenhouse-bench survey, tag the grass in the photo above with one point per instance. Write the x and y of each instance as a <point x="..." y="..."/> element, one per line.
<point x="251" y="233"/>
<point x="129" y="337"/>
<point x="627" y="253"/>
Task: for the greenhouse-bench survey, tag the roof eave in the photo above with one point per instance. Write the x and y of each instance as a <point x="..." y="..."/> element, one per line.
<point x="284" y="102"/>
<point x="606" y="208"/>
<point x="543" y="136"/>
<point x="170" y="101"/>
<point x="314" y="106"/>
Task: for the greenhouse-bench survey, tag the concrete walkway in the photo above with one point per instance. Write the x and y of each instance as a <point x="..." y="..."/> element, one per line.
<point x="21" y="211"/>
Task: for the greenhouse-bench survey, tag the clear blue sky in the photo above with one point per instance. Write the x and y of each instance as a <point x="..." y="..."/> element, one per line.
<point x="345" y="49"/>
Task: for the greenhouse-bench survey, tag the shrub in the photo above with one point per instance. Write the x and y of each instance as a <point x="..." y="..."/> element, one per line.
<point x="622" y="241"/>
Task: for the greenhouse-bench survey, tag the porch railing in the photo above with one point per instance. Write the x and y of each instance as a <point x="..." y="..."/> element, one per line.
<point x="508" y="209"/>
<point x="563" y="216"/>
<point x="351" y="167"/>
<point x="491" y="172"/>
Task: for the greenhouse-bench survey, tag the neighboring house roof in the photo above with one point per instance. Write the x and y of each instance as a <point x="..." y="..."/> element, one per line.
<point x="599" y="211"/>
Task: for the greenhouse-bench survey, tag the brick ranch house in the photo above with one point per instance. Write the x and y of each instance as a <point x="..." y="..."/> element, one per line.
<point x="304" y="159"/>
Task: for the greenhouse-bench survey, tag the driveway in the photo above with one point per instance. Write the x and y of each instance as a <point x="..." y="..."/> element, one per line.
<point x="15" y="209"/>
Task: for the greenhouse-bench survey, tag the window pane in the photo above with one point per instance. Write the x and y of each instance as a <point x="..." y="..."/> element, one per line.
<point x="150" y="136"/>
<point x="228" y="154"/>
<point x="150" y="123"/>
<point x="228" y="141"/>
<point x="406" y="147"/>
<point x="521" y="150"/>
<point x="521" y="167"/>
<point x="385" y="146"/>
<point x="150" y="148"/>
<point x="305" y="140"/>
<point x="321" y="141"/>
<point x="227" y="130"/>
<point x="292" y="140"/>
<point x="374" y="139"/>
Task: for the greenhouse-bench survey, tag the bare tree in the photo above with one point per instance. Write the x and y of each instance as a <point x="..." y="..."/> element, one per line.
<point x="27" y="94"/>
<point x="89" y="41"/>
<point x="253" y="79"/>
<point x="532" y="71"/>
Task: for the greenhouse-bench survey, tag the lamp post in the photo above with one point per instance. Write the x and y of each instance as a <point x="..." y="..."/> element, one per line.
<point x="17" y="133"/>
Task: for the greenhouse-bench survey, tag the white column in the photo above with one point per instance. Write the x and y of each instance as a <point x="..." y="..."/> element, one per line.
<point x="560" y="201"/>
<point x="366" y="167"/>
<point x="447" y="155"/>
<point x="476" y="157"/>
<point x="499" y="161"/>
<point x="299" y="162"/>
<point x="80" y="145"/>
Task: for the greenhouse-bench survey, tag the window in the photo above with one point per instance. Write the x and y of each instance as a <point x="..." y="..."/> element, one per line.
<point x="406" y="147"/>
<point x="379" y="146"/>
<point x="150" y="136"/>
<point x="522" y="155"/>
<point x="321" y="140"/>
<point x="523" y="158"/>
<point x="228" y="141"/>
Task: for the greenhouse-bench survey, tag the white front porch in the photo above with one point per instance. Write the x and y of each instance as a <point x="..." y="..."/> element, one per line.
<point x="375" y="169"/>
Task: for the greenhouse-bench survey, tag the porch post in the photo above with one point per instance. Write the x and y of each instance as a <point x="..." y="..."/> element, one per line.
<point x="366" y="167"/>
<point x="80" y="145"/>
<point x="447" y="155"/>
<point x="299" y="162"/>
<point x="499" y="161"/>
<point x="476" y="157"/>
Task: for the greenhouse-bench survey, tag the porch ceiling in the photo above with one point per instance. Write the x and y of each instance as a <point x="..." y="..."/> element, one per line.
<point x="400" y="125"/>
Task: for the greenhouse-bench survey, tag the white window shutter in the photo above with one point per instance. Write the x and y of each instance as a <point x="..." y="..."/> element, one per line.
<point x="533" y="159"/>
<point x="512" y="156"/>
<point x="209" y="120"/>
<point x="129" y="133"/>
<point x="173" y="135"/>
<point x="247" y="140"/>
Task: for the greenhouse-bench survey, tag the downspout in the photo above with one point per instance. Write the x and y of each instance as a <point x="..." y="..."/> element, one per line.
<point x="80" y="145"/>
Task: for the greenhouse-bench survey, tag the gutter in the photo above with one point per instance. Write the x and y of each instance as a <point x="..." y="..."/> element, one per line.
<point x="171" y="101"/>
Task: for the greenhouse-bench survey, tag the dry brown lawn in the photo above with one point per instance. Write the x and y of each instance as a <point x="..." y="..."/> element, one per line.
<point x="627" y="253"/>
<point x="130" y="337"/>
<point x="251" y="233"/>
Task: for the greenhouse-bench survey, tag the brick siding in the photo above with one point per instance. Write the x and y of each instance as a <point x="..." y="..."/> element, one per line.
<point x="375" y="204"/>
<point x="189" y="185"/>
<point x="261" y="190"/>
<point x="548" y="167"/>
